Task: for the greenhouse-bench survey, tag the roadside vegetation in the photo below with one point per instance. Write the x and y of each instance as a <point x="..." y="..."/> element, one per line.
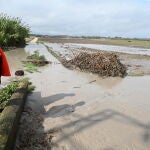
<point x="31" y="87"/>
<point x="138" y="74"/>
<point x="34" y="61"/>
<point x="6" y="93"/>
<point x="40" y="42"/>
<point x="36" y="56"/>
<point x="12" y="31"/>
<point x="30" y="67"/>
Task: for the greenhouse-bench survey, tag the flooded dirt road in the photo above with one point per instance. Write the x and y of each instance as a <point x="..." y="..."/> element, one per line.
<point x="86" y="112"/>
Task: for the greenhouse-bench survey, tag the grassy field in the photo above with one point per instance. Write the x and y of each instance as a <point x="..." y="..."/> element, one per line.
<point x="127" y="42"/>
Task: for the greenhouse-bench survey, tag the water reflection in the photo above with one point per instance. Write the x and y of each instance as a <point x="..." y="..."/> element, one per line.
<point x="15" y="58"/>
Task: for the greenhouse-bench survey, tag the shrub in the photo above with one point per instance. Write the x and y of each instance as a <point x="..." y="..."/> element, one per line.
<point x="6" y="93"/>
<point x="37" y="56"/>
<point x="30" y="67"/>
<point x="12" y="31"/>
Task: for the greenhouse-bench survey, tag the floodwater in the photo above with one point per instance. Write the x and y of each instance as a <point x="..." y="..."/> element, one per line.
<point x="57" y="47"/>
<point x="137" y="64"/>
<point x="123" y="49"/>
<point x="89" y="112"/>
<point x="17" y="56"/>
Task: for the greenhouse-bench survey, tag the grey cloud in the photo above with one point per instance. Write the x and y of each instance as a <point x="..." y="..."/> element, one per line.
<point x="83" y="17"/>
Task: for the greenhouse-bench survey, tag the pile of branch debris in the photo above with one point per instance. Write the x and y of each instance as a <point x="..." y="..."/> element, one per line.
<point x="104" y="64"/>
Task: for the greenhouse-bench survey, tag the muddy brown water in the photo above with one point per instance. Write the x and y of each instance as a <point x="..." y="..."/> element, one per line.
<point x="90" y="113"/>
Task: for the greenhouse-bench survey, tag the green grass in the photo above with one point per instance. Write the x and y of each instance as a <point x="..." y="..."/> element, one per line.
<point x="40" y="42"/>
<point x="126" y="42"/>
<point x="136" y="74"/>
<point x="31" y="87"/>
<point x="6" y="93"/>
<point x="37" y="56"/>
<point x="30" y="67"/>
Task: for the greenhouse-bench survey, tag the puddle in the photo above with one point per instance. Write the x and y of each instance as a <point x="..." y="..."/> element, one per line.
<point x="15" y="58"/>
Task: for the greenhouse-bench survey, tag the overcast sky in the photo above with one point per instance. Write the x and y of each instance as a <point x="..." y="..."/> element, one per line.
<point x="126" y="18"/>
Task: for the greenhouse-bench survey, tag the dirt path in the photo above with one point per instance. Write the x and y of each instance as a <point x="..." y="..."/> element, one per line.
<point x="34" y="40"/>
<point x="85" y="112"/>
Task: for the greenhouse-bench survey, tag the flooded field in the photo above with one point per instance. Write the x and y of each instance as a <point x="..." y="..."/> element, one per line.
<point x="104" y="41"/>
<point x="87" y="112"/>
<point x="137" y="64"/>
<point x="112" y="48"/>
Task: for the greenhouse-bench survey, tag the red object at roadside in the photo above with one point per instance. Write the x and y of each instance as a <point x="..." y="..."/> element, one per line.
<point x="4" y="67"/>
